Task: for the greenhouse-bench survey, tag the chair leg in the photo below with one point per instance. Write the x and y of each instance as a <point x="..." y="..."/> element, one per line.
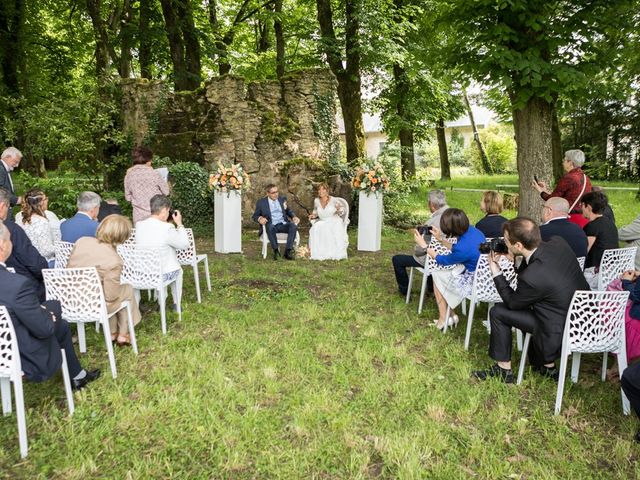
<point x="136" y="294"/>
<point x="196" y="279"/>
<point x="107" y="340"/>
<point x="575" y="366"/>
<point x="409" y="286"/>
<point x="464" y="306"/>
<point x="132" y="331"/>
<point x="5" y="392"/>
<point x="67" y="383"/>
<point x="467" y="337"/>
<point x="622" y="366"/>
<point x="206" y="272"/>
<point x="564" y="359"/>
<point x="82" y="340"/>
<point x="604" y="366"/>
<point x="519" y="339"/>
<point x="264" y="247"/>
<point x="176" y="294"/>
<point x="162" y="299"/>
<point x="423" y="290"/>
<point x="523" y="357"/>
<point x="22" y="420"/>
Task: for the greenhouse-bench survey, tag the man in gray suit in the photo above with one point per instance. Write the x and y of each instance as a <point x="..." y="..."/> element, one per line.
<point x="630" y="234"/>
<point x="9" y="160"/>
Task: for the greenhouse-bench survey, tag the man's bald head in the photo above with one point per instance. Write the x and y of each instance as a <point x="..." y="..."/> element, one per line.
<point x="555" y="207"/>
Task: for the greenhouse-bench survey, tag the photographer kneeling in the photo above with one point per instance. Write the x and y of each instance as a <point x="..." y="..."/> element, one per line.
<point x="451" y="286"/>
<point x="548" y="276"/>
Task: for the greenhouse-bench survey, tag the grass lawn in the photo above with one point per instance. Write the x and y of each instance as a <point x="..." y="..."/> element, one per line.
<point x="317" y="370"/>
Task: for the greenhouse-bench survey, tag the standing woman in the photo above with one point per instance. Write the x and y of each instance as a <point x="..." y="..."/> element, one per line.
<point x="100" y="252"/>
<point x="36" y="225"/>
<point x="573" y="184"/>
<point x="142" y="182"/>
<point x="492" y="206"/>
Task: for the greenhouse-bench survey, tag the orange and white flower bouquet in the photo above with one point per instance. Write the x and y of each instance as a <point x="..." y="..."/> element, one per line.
<point x="231" y="178"/>
<point x="370" y="179"/>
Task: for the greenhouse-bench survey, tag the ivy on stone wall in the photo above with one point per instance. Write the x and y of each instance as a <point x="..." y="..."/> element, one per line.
<point x="323" y="122"/>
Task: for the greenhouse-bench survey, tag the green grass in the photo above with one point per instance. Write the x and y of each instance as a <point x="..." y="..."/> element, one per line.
<point x="316" y="370"/>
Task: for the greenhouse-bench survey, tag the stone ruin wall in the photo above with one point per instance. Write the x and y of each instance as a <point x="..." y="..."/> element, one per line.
<point x="280" y="133"/>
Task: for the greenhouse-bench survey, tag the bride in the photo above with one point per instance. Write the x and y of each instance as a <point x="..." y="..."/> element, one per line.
<point x="327" y="238"/>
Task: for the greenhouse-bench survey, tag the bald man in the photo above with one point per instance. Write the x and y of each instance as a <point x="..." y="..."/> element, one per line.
<point x="555" y="218"/>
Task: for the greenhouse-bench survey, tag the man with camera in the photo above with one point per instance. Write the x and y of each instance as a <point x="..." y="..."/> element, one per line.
<point x="548" y="276"/>
<point x="437" y="205"/>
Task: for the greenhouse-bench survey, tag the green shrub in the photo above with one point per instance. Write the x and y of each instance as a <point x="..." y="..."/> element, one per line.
<point x="191" y="194"/>
<point x="499" y="146"/>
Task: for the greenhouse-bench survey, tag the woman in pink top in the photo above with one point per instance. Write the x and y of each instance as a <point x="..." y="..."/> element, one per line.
<point x="142" y="182"/>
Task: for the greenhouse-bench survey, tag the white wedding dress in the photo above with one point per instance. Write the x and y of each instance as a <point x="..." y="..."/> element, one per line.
<point x="328" y="239"/>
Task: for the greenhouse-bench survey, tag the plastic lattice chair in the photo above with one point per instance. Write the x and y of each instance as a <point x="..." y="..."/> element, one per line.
<point x="595" y="324"/>
<point x="581" y="261"/>
<point x="614" y="262"/>
<point x="11" y="372"/>
<point x="142" y="269"/>
<point x="80" y="294"/>
<point x="429" y="267"/>
<point x="62" y="252"/>
<point x="189" y="256"/>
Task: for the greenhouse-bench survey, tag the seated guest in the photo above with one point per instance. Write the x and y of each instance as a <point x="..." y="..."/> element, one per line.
<point x="328" y="239"/>
<point x="100" y="252"/>
<point x="630" y="383"/>
<point x="142" y="182"/>
<point x="601" y="233"/>
<point x="608" y="211"/>
<point x="157" y="232"/>
<point x="451" y="286"/>
<point x="40" y="330"/>
<point x="36" y="225"/>
<point x="23" y="258"/>
<point x="630" y="234"/>
<point x="555" y="216"/>
<point x="548" y="276"/>
<point x="492" y="206"/>
<point x="83" y="223"/>
<point x="54" y="221"/>
<point x="437" y="204"/>
<point x="108" y="207"/>
<point x="273" y="212"/>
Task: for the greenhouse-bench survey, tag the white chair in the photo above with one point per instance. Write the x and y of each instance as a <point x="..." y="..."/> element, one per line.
<point x="188" y="256"/>
<point x="430" y="266"/>
<point x="80" y="294"/>
<point x="484" y="290"/>
<point x="344" y="212"/>
<point x="11" y="372"/>
<point x="595" y="324"/>
<point x="62" y="252"/>
<point x="282" y="240"/>
<point x="142" y="269"/>
<point x="581" y="261"/>
<point x="614" y="262"/>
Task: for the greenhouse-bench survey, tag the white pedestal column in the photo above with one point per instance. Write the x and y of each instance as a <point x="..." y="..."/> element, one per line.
<point x="227" y="226"/>
<point x="369" y="221"/>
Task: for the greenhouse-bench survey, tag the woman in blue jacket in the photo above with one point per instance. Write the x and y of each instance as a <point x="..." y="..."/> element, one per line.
<point x="451" y="286"/>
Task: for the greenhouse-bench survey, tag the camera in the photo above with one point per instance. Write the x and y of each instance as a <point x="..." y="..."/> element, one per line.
<point x="172" y="212"/>
<point x="424" y="229"/>
<point x="496" y="245"/>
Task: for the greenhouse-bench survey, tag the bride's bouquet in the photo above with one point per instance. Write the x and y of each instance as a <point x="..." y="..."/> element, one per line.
<point x="370" y="179"/>
<point x="229" y="178"/>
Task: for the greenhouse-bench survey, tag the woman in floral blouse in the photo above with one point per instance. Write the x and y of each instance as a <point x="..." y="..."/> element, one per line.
<point x="142" y="182"/>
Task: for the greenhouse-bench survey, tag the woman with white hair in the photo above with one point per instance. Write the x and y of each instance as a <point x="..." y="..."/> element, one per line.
<point x="573" y="184"/>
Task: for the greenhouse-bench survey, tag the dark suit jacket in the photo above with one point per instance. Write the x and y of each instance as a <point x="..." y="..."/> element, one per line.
<point x="25" y="259"/>
<point x="263" y="210"/>
<point x="80" y="225"/>
<point x="545" y="286"/>
<point x="572" y="234"/>
<point x="39" y="349"/>
<point x="107" y="209"/>
<point x="6" y="184"/>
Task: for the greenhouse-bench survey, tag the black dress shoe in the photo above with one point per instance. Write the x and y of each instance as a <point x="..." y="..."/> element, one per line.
<point x="549" y="372"/>
<point x="495" y="371"/>
<point x="288" y="254"/>
<point x="276" y="254"/>
<point x="84" y="381"/>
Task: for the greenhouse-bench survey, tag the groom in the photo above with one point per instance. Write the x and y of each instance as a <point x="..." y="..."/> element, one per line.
<point x="272" y="211"/>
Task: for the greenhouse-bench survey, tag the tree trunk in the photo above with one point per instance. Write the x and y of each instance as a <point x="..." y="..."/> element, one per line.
<point x="349" y="81"/>
<point x="407" y="157"/>
<point x="12" y="18"/>
<point x="280" y="42"/>
<point x="126" y="40"/>
<point x="103" y="57"/>
<point x="445" y="168"/>
<point x="145" y="39"/>
<point x="262" y="34"/>
<point x="191" y="44"/>
<point x="532" y="125"/>
<point x="486" y="166"/>
<point x="556" y="145"/>
<point x="176" y="46"/>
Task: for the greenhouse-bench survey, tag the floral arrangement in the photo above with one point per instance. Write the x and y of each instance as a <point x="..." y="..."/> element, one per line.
<point x="370" y="179"/>
<point x="229" y="179"/>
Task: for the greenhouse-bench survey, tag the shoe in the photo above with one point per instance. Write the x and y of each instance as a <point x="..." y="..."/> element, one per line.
<point x="454" y="320"/>
<point x="495" y="371"/>
<point x="276" y="254"/>
<point x="288" y="254"/>
<point x="123" y="340"/>
<point x="114" y="337"/>
<point x="83" y="382"/>
<point x="549" y="372"/>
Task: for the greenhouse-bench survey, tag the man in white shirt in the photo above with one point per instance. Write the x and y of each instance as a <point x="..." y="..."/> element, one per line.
<point x="9" y="160"/>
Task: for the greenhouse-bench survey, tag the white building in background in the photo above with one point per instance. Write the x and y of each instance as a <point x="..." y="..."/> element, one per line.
<point x="376" y="139"/>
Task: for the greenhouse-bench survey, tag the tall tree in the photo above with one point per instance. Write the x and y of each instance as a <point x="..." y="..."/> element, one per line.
<point x="486" y="166"/>
<point x="12" y="22"/>
<point x="348" y="73"/>
<point x="445" y="167"/>
<point x="183" y="43"/>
